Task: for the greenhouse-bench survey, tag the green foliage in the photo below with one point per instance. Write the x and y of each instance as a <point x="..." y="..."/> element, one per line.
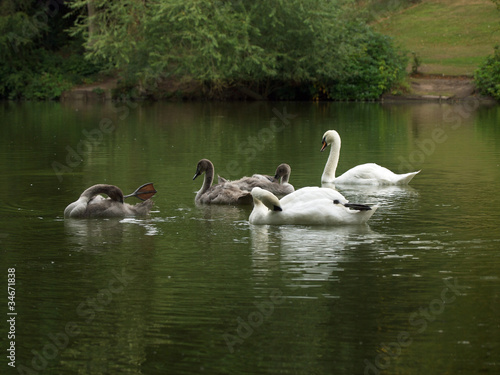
<point x="487" y="77"/>
<point x="44" y="76"/>
<point x="372" y="69"/>
<point x="37" y="60"/>
<point x="275" y="49"/>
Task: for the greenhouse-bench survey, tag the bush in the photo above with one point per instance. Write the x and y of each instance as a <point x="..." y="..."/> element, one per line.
<point x="45" y="76"/>
<point x="487" y="77"/>
<point x="374" y="67"/>
<point x="38" y="60"/>
<point x="271" y="49"/>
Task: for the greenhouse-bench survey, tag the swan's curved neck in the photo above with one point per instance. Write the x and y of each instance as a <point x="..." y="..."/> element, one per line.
<point x="207" y="182"/>
<point x="111" y="191"/>
<point x="332" y="162"/>
<point x="285" y="178"/>
<point x="94" y="190"/>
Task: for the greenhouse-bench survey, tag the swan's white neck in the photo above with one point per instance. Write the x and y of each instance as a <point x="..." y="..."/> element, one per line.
<point x="332" y="162"/>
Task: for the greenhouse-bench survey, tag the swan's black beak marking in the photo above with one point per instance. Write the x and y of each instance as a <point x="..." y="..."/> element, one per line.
<point x="196" y="174"/>
<point x="324" y="145"/>
<point x="354" y="206"/>
<point x="277" y="208"/>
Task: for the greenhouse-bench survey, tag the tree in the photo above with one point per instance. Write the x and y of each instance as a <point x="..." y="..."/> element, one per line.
<point x="487" y="76"/>
<point x="31" y="39"/>
<point x="272" y="48"/>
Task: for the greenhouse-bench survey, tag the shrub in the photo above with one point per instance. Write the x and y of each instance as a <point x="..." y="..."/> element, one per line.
<point x="487" y="77"/>
<point x="373" y="68"/>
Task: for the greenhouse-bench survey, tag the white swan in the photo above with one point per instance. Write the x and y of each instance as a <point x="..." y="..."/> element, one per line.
<point x="220" y="193"/>
<point x="307" y="206"/>
<point x="365" y="174"/>
<point x="277" y="184"/>
<point x="92" y="205"/>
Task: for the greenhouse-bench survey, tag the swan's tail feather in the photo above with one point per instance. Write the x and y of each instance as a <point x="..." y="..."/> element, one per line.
<point x="407" y="177"/>
<point x="354" y="206"/>
<point x="359" y="207"/>
<point x="143" y="208"/>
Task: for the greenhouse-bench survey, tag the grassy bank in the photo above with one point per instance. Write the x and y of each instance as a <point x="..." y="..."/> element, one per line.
<point x="451" y="37"/>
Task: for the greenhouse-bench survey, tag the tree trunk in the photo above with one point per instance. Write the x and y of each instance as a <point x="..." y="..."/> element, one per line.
<point x="91" y="11"/>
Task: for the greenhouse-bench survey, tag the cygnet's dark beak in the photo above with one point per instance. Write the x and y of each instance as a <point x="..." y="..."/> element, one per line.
<point x="196" y="174"/>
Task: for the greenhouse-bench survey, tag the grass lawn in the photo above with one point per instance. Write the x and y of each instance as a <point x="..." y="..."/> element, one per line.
<point x="451" y="37"/>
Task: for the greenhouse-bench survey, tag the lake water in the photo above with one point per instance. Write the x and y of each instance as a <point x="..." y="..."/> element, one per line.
<point x="194" y="289"/>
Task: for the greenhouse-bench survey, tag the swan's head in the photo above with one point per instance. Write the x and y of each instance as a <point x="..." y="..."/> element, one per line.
<point x="111" y="191"/>
<point x="203" y="166"/>
<point x="267" y="198"/>
<point x="284" y="171"/>
<point x="115" y="193"/>
<point x="330" y="137"/>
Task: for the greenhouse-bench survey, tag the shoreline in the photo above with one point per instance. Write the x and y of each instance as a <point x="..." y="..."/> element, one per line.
<point x="423" y="88"/>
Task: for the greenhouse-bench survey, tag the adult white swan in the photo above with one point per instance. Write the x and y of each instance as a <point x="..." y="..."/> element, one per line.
<point x="92" y="205"/>
<point x="307" y="206"/>
<point x="365" y="174"/>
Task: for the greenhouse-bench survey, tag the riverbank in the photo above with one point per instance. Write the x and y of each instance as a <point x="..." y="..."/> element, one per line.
<point x="422" y="87"/>
<point x="440" y="88"/>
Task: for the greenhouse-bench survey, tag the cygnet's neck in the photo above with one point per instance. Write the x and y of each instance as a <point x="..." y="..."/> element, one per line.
<point x="207" y="181"/>
<point x="284" y="179"/>
<point x="332" y="162"/>
<point x="110" y="190"/>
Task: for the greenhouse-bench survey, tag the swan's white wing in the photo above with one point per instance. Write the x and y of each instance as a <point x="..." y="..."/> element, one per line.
<point x="311" y="193"/>
<point x="368" y="174"/>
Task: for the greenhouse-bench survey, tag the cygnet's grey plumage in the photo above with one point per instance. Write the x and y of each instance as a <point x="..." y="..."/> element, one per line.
<point x="92" y="205"/>
<point x="277" y="184"/>
<point x="220" y="193"/>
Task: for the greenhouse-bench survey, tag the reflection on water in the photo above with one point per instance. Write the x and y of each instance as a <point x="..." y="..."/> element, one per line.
<point x="90" y="234"/>
<point x="161" y="294"/>
<point x="307" y="253"/>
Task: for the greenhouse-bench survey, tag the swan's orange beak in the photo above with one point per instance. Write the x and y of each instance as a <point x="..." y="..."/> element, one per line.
<point x="323" y="146"/>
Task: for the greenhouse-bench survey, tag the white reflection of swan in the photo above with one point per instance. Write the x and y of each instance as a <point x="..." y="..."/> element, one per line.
<point x="313" y="254"/>
<point x="307" y="253"/>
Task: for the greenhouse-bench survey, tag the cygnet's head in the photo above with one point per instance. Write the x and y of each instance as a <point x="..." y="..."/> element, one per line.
<point x="115" y="193"/>
<point x="283" y="170"/>
<point x="203" y="166"/>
